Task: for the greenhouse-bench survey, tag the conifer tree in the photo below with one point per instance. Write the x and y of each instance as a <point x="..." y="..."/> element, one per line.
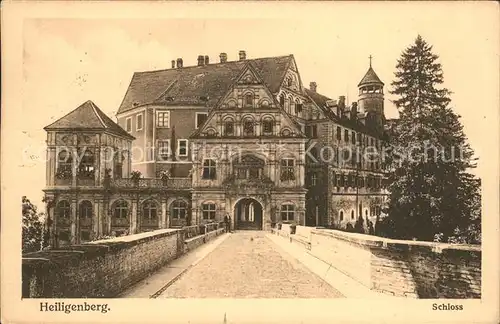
<point x="431" y="191"/>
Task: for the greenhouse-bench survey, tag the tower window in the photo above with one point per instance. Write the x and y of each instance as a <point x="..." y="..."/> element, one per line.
<point x="85" y="210"/>
<point x="63" y="209"/>
<point x="65" y="165"/>
<point x="86" y="168"/>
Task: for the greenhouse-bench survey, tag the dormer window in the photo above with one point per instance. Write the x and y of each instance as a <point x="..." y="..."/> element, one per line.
<point x="249" y="100"/>
<point x="267" y="126"/>
<point x="229" y="127"/>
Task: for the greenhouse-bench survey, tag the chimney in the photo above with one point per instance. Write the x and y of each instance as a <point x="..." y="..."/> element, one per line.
<point x="173" y="64"/>
<point x="207" y="60"/>
<point x="179" y="63"/>
<point x="313" y="86"/>
<point x="354" y="111"/>
<point x="201" y="60"/>
<point x="243" y="55"/>
<point x="223" y="57"/>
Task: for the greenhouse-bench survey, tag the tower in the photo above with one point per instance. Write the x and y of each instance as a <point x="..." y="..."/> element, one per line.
<point x="371" y="99"/>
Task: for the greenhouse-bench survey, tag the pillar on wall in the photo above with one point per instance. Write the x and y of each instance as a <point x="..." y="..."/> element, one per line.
<point x="133" y="218"/>
<point x="74" y="221"/>
<point x="163" y="222"/>
<point x="97" y="218"/>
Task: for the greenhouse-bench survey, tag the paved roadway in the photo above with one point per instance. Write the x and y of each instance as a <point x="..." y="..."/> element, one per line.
<point x="249" y="265"/>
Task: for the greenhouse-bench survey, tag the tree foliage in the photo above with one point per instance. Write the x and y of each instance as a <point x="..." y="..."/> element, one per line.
<point x="34" y="233"/>
<point x="431" y="190"/>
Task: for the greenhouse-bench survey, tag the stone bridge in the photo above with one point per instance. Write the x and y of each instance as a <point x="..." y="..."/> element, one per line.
<point x="209" y="263"/>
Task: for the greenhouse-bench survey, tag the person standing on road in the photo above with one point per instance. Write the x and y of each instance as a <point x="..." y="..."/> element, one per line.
<point x="226" y="223"/>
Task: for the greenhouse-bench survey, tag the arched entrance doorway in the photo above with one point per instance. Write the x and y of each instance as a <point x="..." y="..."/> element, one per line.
<point x="248" y="214"/>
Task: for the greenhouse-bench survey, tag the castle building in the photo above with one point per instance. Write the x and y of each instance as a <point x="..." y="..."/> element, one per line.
<point x="193" y="144"/>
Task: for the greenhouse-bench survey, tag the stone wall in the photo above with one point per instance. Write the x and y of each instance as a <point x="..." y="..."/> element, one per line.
<point x="397" y="267"/>
<point x="102" y="268"/>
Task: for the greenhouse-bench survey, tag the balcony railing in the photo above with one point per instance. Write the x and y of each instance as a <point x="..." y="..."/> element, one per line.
<point x="176" y="183"/>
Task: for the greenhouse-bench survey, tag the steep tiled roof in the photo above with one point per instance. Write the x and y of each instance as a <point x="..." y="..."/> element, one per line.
<point x="88" y="116"/>
<point x="320" y="100"/>
<point x="370" y="77"/>
<point x="198" y="85"/>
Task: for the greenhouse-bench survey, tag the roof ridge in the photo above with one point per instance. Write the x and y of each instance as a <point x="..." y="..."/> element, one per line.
<point x="212" y="64"/>
<point x="97" y="114"/>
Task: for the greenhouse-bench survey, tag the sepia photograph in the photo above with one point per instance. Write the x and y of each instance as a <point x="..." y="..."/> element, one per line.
<point x="288" y="157"/>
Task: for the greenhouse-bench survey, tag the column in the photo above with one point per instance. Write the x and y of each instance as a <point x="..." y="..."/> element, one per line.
<point x="96" y="218"/>
<point x="164" y="219"/>
<point x="74" y="222"/>
<point x="75" y="158"/>
<point x="53" y="227"/>
<point x="133" y="218"/>
<point x="51" y="166"/>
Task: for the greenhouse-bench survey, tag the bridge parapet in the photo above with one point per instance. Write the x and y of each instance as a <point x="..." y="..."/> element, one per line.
<point x="103" y="268"/>
<point x="398" y="267"/>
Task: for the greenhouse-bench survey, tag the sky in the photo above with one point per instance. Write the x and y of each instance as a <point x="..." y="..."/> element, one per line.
<point x="69" y="61"/>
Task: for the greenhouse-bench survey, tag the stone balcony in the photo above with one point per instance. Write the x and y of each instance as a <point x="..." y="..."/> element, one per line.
<point x="172" y="183"/>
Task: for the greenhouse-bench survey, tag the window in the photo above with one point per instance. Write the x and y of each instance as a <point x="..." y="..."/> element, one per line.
<point x="339" y="133"/>
<point x="179" y="209"/>
<point x="128" y="124"/>
<point x="353" y="139"/>
<point x="65" y="164"/>
<point x="201" y="118"/>
<point x="85" y="210"/>
<point x="282" y="100"/>
<point x="248" y="127"/>
<point x="86" y="168"/>
<point x="289" y="81"/>
<point x="249" y="100"/>
<point x="140" y="122"/>
<point x="149" y="209"/>
<point x="346" y="136"/>
<point x="85" y="236"/>
<point x="182" y="147"/>
<point x="287" y="212"/>
<point x="208" y="211"/>
<point x="352" y="214"/>
<point x="229" y="127"/>
<point x="63" y="209"/>
<point x="209" y="168"/>
<point x="164" y="149"/>
<point x="341" y="215"/>
<point x="287" y="172"/>
<point x="163" y="119"/>
<point x="267" y="126"/>
<point x="118" y="169"/>
<point x="312" y="131"/>
<point x="120" y="209"/>
<point x="314" y="179"/>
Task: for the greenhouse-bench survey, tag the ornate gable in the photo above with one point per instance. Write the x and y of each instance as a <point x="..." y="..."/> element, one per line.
<point x="248" y="109"/>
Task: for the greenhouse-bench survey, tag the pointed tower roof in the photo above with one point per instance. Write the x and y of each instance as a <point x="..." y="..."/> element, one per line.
<point x="88" y="117"/>
<point x="370" y="77"/>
